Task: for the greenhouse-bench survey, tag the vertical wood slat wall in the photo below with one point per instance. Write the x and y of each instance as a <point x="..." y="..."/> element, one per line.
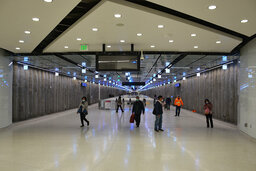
<point x="219" y="86"/>
<point x="37" y="93"/>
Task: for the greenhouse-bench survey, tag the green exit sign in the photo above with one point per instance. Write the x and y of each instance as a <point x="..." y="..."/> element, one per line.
<point x="84" y="47"/>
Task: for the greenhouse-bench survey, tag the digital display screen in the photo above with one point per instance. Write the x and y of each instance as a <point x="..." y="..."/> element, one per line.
<point x="83" y="84"/>
<point x="117" y="63"/>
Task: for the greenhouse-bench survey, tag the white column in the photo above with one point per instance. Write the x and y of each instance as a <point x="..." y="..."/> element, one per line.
<point x="6" y="73"/>
<point x="247" y="89"/>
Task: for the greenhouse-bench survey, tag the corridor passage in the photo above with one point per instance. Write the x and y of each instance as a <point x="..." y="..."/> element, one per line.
<point x="111" y="143"/>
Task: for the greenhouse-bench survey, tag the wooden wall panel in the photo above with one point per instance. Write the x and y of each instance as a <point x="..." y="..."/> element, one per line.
<point x="37" y="93"/>
<point x="219" y="86"/>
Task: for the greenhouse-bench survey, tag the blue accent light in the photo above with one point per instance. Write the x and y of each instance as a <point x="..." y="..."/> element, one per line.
<point x="26" y="59"/>
<point x="68" y="73"/>
<point x="224" y="58"/>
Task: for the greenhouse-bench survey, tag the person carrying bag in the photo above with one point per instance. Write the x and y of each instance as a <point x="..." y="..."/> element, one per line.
<point x="83" y="110"/>
<point x="208" y="112"/>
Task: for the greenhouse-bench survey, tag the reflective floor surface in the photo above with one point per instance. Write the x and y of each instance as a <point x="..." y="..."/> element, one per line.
<point x="111" y="143"/>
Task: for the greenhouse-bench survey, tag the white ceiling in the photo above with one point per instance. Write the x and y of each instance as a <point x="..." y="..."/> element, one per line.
<point x="228" y="13"/>
<point x="138" y="21"/>
<point x="16" y="17"/>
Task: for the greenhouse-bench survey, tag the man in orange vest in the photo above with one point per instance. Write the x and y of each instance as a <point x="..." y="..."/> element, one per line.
<point x="178" y="103"/>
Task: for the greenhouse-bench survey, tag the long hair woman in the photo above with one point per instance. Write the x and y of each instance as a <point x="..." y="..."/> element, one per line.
<point x="83" y="110"/>
<point x="208" y="112"/>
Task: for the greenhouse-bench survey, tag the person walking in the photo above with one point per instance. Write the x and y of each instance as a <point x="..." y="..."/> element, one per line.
<point x="119" y="104"/>
<point x="137" y="108"/>
<point x="83" y="110"/>
<point x="208" y="112"/>
<point x="178" y="103"/>
<point x="144" y="102"/>
<point x="158" y="111"/>
<point x="168" y="103"/>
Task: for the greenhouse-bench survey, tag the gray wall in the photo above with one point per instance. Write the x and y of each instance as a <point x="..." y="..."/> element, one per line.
<point x="219" y="86"/>
<point x="37" y="93"/>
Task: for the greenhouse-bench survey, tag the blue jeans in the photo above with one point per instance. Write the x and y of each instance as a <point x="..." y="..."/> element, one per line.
<point x="158" y="122"/>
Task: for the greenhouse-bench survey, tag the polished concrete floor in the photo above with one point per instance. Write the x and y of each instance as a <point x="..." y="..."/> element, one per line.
<point x="111" y="143"/>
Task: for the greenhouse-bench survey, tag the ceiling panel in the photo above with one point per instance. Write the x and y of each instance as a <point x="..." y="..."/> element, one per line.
<point x="228" y="13"/>
<point x="16" y="17"/>
<point x="136" y="21"/>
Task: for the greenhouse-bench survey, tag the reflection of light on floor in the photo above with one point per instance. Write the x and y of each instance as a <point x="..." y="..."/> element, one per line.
<point x="131" y="127"/>
<point x="128" y="147"/>
<point x="74" y="148"/>
<point x="56" y="161"/>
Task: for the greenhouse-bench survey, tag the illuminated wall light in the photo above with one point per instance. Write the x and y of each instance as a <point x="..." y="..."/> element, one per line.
<point x="224" y="67"/>
<point x="109" y="81"/>
<point x="25" y="67"/>
<point x="83" y="71"/>
<point x="159" y="76"/>
<point x="56" y="74"/>
<point x="154" y="79"/>
<point x="26" y="59"/>
<point x="74" y="78"/>
<point x="167" y="70"/>
<point x="198" y="74"/>
<point x="198" y="69"/>
<point x="175" y="81"/>
<point x="154" y="75"/>
<point x="97" y="76"/>
<point x="84" y="64"/>
<point x="184" y="78"/>
<point x="85" y="81"/>
<point x="105" y="79"/>
<point x="224" y="58"/>
<point x="249" y="75"/>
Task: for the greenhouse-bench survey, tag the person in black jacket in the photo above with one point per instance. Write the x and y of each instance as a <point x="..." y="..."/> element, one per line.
<point x="137" y="108"/>
<point x="159" y="114"/>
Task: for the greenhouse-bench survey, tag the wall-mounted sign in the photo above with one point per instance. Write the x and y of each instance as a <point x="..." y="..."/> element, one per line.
<point x="83" y="84"/>
<point x="177" y="85"/>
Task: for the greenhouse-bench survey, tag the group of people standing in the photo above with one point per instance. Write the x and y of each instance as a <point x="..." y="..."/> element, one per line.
<point x="139" y="108"/>
<point x="159" y="103"/>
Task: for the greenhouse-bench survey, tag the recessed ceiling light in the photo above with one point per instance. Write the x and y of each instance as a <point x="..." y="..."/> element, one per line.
<point x="79" y="39"/>
<point x="17" y="48"/>
<point x="35" y="19"/>
<point x="152" y="46"/>
<point x="108" y="46"/>
<point x="122" y="41"/>
<point x="94" y="29"/>
<point x="195" y="47"/>
<point x="47" y="0"/>
<point x="160" y="26"/>
<point x="27" y="32"/>
<point x="193" y="35"/>
<point x="212" y="7"/>
<point x="139" y="34"/>
<point x="21" y="41"/>
<point x="171" y="41"/>
<point x="218" y="42"/>
<point x="65" y="47"/>
<point x="244" y="21"/>
<point x="118" y="15"/>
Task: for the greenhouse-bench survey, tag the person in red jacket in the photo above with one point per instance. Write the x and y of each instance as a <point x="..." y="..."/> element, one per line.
<point x="178" y="103"/>
<point x="208" y="112"/>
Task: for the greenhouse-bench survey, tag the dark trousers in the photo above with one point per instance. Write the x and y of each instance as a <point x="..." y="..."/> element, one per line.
<point x="118" y="108"/>
<point x="82" y="118"/>
<point x="168" y="106"/>
<point x="209" y="117"/>
<point x="177" y="111"/>
<point x="137" y="119"/>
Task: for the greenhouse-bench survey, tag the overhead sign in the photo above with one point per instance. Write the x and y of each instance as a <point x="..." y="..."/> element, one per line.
<point x="84" y="47"/>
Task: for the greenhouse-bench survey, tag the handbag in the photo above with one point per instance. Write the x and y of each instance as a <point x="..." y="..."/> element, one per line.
<point x="85" y="112"/>
<point x="79" y="110"/>
<point x="132" y="118"/>
<point x="207" y="111"/>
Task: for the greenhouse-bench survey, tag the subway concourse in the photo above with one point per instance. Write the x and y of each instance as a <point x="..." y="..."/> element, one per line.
<point x="111" y="143"/>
